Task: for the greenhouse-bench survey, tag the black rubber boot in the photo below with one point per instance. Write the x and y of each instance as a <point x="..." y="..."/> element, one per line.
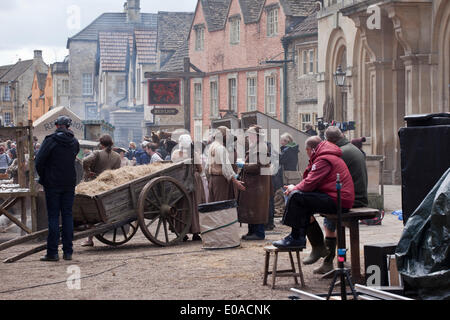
<point x="315" y="237"/>
<point x="327" y="264"/>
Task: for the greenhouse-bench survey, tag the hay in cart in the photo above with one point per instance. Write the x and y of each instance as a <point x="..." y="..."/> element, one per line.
<point x="110" y="179"/>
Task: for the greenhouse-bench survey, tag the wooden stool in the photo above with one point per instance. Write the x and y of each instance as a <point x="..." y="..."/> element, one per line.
<point x="351" y="220"/>
<point x="282" y="273"/>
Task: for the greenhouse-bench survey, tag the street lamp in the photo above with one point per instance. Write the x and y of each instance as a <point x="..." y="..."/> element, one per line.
<point x="339" y="77"/>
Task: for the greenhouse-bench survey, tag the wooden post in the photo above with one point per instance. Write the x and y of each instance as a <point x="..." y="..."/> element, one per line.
<point x="31" y="175"/>
<point x="187" y="95"/>
<point x="20" y="144"/>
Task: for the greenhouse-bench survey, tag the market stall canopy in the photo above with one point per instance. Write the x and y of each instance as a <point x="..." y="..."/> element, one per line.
<point x="45" y="125"/>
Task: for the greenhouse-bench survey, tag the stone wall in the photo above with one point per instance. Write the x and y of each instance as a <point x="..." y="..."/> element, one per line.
<point x="83" y="57"/>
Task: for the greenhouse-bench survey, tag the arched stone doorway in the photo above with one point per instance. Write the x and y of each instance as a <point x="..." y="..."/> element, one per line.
<point x="337" y="56"/>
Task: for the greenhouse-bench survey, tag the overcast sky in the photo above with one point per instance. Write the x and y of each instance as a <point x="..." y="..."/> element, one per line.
<point x="29" y="25"/>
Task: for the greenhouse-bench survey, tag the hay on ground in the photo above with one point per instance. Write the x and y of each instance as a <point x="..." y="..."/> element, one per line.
<point x="110" y="179"/>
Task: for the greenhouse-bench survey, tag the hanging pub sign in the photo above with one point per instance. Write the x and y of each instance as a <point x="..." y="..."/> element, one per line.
<point x="164" y="92"/>
<point x="164" y="111"/>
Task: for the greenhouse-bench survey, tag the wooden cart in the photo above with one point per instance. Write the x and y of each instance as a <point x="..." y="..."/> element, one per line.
<point x="160" y="204"/>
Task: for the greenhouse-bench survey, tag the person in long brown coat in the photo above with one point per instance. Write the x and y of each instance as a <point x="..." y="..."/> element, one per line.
<point x="181" y="153"/>
<point x="254" y="201"/>
<point x="221" y="176"/>
<point x="97" y="162"/>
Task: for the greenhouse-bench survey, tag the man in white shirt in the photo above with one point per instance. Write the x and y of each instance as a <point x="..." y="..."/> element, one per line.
<point x="151" y="151"/>
<point x="222" y="177"/>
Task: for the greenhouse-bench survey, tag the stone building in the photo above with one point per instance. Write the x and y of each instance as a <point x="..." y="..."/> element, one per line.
<point x="15" y="88"/>
<point x="107" y="63"/>
<point x="231" y="42"/>
<point x="61" y="87"/>
<point x="302" y="73"/>
<point x="397" y="61"/>
<point x="172" y="48"/>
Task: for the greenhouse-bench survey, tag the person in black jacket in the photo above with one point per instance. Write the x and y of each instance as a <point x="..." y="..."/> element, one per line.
<point x="55" y="164"/>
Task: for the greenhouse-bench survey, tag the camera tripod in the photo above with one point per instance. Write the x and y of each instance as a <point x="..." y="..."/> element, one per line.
<point x="341" y="272"/>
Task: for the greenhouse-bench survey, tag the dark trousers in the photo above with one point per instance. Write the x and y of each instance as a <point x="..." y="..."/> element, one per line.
<point x="302" y="205"/>
<point x="59" y="202"/>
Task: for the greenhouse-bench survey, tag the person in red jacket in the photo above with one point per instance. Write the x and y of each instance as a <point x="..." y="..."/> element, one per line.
<point x="317" y="191"/>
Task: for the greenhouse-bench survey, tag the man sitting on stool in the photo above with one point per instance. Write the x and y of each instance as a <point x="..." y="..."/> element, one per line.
<point x="356" y="164"/>
<point x="317" y="191"/>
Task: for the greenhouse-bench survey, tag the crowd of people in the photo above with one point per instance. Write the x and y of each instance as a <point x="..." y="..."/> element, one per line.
<point x="220" y="176"/>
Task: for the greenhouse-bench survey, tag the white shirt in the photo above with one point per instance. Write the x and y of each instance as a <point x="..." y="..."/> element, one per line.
<point x="155" y="158"/>
<point x="221" y="157"/>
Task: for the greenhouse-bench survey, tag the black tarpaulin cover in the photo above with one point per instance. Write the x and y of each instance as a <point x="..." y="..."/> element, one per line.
<point x="423" y="253"/>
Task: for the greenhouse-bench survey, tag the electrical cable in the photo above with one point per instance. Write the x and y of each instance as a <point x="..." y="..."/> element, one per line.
<point x="100" y="273"/>
<point x="63" y="281"/>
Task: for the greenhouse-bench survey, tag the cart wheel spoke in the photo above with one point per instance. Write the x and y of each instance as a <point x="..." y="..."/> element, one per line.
<point x="123" y="231"/>
<point x="173" y="227"/>
<point x="150" y="203"/>
<point x="166" y="233"/>
<point x="156" y="196"/>
<point x="174" y="202"/>
<point x="150" y="214"/>
<point x="181" y="221"/>
<point x="157" y="228"/>
<point x="153" y="220"/>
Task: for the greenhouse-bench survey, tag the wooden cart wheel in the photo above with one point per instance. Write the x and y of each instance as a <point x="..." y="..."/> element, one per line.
<point x="164" y="211"/>
<point x="119" y="236"/>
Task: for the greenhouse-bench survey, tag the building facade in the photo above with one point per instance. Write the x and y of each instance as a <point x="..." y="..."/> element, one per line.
<point x="61" y="83"/>
<point x="234" y="42"/>
<point x="108" y="60"/>
<point x="41" y="99"/>
<point x="302" y="73"/>
<point x="397" y="61"/>
<point x="15" y="88"/>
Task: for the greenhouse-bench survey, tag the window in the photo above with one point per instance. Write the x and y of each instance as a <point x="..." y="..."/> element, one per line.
<point x="235" y="30"/>
<point x="305" y="62"/>
<point x="305" y="118"/>
<point x="65" y="87"/>
<point x="232" y="94"/>
<point x="7" y="118"/>
<point x="314" y="119"/>
<point x="138" y="84"/>
<point x="251" y="94"/>
<point x="198" y="100"/>
<point x="199" y="38"/>
<point x="121" y="87"/>
<point x="87" y="84"/>
<point x="7" y="93"/>
<point x="214" y="104"/>
<point x="271" y="95"/>
<point x="272" y="23"/>
<point x="311" y="61"/>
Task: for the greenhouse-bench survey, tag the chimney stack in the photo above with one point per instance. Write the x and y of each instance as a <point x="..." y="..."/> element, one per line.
<point x="38" y="54"/>
<point x="133" y="10"/>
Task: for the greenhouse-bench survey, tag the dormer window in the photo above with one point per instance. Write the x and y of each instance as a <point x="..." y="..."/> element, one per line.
<point x="199" y="37"/>
<point x="272" y="22"/>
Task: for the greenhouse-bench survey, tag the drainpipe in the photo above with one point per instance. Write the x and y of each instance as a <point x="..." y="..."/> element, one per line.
<point x="285" y="42"/>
